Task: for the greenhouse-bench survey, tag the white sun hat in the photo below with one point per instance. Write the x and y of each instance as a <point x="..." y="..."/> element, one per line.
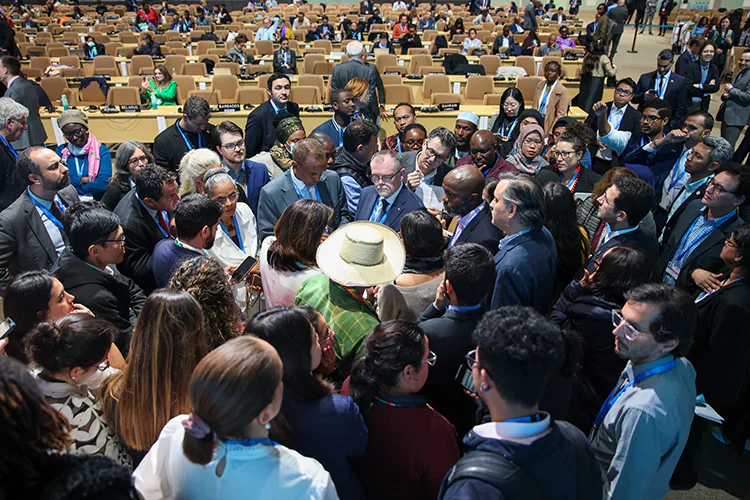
<point x="362" y="254"/>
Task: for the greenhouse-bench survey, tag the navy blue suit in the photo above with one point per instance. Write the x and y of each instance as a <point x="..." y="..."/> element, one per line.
<point x="481" y="231"/>
<point x="525" y="271"/>
<point x="639" y="239"/>
<point x="660" y="163"/>
<point x="675" y="95"/>
<point x="405" y="202"/>
<point x="166" y="259"/>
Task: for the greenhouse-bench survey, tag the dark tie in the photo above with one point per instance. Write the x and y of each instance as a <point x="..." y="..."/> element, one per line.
<point x="57" y="213"/>
<point x="163" y="222"/>
<point x="382" y="210"/>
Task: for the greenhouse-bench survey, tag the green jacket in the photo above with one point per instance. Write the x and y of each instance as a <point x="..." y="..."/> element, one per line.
<point x="350" y="319"/>
<point x="167" y="96"/>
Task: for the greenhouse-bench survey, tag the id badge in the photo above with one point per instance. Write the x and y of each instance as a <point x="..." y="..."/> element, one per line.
<point x="673" y="271"/>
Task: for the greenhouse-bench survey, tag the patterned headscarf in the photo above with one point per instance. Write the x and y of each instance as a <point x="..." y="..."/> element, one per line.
<point x="287" y="125"/>
<point x="517" y="158"/>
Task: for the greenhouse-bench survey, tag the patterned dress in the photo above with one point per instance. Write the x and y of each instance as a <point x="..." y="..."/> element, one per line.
<point x="90" y="433"/>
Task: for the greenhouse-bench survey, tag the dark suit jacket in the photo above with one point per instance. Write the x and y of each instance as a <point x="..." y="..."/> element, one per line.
<point x="525" y="271"/>
<point x="278" y="62"/>
<point x="405" y="202"/>
<point x="170" y="147"/>
<point x="167" y="258"/>
<point x="11" y="187"/>
<point x="450" y="338"/>
<point x="683" y="62"/>
<point x="260" y="133"/>
<point x="618" y="15"/>
<point x="24" y="242"/>
<point x="280" y="193"/>
<point x="660" y="163"/>
<point x="586" y="179"/>
<point x="693" y="76"/>
<point x="23" y="92"/>
<point x="529" y="17"/>
<point x="721" y="349"/>
<point x="113" y="297"/>
<point x="141" y="236"/>
<point x="660" y="216"/>
<point x="706" y="256"/>
<point x="675" y="95"/>
<point x="342" y="73"/>
<point x="325" y="32"/>
<point x="631" y="120"/>
<point x="497" y="45"/>
<point x="388" y="46"/>
<point x="639" y="239"/>
<point x="482" y="231"/>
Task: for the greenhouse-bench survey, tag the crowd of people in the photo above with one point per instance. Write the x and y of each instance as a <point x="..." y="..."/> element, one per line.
<point x="530" y="310"/>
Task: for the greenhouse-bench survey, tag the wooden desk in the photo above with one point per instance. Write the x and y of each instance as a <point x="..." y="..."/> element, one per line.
<point x="144" y="126"/>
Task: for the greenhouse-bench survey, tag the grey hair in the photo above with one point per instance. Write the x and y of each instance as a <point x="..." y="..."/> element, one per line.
<point x="526" y="195"/>
<point x="721" y="150"/>
<point x="666" y="55"/>
<point x="354" y="49"/>
<point x="122" y="157"/>
<point x="214" y="177"/>
<point x="11" y="110"/>
<point x="446" y="138"/>
<point x="193" y="166"/>
<point x="381" y="155"/>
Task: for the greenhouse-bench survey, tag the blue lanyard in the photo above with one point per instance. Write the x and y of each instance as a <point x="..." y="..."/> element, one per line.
<point x="398" y="143"/>
<point x="537" y="417"/>
<point x="697" y="241"/>
<point x="252" y="442"/>
<point x="704" y="74"/>
<point x="79" y="165"/>
<point x="10" y="148"/>
<point x="510" y="131"/>
<point x="236" y="230"/>
<point x="184" y="138"/>
<point x="610" y="401"/>
<point x="299" y="193"/>
<point x="703" y="295"/>
<point x="46" y="212"/>
<point x="675" y="181"/>
<point x="611" y="122"/>
<point x="573" y="179"/>
<point x="339" y="130"/>
<point x="545" y="97"/>
<point x="661" y="88"/>
<point x="375" y="210"/>
<point x="156" y="220"/>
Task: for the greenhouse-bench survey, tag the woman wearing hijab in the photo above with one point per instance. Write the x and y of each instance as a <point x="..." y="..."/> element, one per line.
<point x="289" y="130"/>
<point x="527" y="153"/>
<point x="528" y="116"/>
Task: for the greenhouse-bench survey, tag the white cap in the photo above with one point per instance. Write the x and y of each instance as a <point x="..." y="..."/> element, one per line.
<point x="469" y="117"/>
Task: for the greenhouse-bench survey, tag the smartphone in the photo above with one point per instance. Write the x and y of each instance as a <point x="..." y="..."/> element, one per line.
<point x="243" y="270"/>
<point x="466" y="378"/>
<point x="6" y="327"/>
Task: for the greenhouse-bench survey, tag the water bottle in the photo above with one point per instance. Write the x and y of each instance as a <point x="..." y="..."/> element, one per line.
<point x="64" y="101"/>
<point x="154" y="104"/>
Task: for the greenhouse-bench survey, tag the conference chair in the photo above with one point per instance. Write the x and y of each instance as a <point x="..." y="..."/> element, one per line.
<point x="435" y="84"/>
<point x="477" y="87"/>
<point x="118" y="96"/>
<point x="527" y="86"/>
<point x="226" y="85"/>
<point x="395" y="94"/>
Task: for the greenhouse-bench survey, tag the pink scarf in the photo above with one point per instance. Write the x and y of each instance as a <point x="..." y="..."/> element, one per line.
<point x="91" y="149"/>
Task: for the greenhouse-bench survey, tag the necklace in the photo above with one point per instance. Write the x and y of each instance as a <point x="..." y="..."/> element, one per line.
<point x="396" y="405"/>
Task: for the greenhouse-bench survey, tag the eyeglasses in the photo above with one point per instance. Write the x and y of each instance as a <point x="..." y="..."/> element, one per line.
<point x="74" y="133"/>
<point x="471" y="358"/>
<point x="563" y="154"/>
<point x="232" y="198"/>
<point x="431" y="359"/>
<point x="624" y="92"/>
<point x="137" y="161"/>
<point x="630" y="332"/>
<point x="384" y="178"/>
<point x="234" y="146"/>
<point x="532" y="142"/>
<point x="103" y="365"/>
<point x="434" y="153"/>
<point x="728" y="242"/>
<point x="650" y="118"/>
<point x="717" y="188"/>
<point x="119" y="241"/>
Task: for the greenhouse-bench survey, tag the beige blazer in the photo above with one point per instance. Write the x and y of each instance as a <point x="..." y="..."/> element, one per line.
<point x="557" y="103"/>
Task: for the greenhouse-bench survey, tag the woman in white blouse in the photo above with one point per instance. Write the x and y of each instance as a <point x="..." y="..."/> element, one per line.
<point x="237" y="238"/>
<point x="471" y="42"/>
<point x="288" y="258"/>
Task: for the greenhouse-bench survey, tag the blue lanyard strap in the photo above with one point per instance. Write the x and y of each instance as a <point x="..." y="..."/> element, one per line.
<point x="184" y="137"/>
<point x="46" y="212"/>
<point x="299" y="193"/>
<point x="10" y="148"/>
<point x="236" y="230"/>
<point x="573" y="179"/>
<point x="252" y="442"/>
<point x="379" y="202"/>
<point x="510" y="131"/>
<point x="156" y="221"/>
<point x="545" y="97"/>
<point x="613" y="397"/>
<point x="685" y="247"/>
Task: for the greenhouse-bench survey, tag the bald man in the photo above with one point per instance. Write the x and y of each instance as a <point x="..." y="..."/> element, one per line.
<point x="463" y="199"/>
<point x="484" y="155"/>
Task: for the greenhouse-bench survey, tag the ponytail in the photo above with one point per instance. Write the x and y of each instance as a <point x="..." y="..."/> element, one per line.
<point x="363" y="384"/>
<point x="199" y="441"/>
<point x="73" y="340"/>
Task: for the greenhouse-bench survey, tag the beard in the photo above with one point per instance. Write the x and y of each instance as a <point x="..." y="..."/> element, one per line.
<point x="63" y="182"/>
<point x="209" y="243"/>
<point x="460" y="209"/>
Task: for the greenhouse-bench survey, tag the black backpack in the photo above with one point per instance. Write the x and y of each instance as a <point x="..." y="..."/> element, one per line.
<point x="503" y="474"/>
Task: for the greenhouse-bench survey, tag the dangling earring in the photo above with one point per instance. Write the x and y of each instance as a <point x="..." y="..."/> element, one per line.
<point x="484" y="387"/>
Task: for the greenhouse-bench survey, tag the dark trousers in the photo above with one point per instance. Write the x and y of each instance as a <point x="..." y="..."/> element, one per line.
<point x="615" y="43"/>
<point x="663" y="25"/>
<point x="743" y="149"/>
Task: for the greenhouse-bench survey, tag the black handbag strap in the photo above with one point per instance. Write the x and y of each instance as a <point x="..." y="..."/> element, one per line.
<point x="496" y="470"/>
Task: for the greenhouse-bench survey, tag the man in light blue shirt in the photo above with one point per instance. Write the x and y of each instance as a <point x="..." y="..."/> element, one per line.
<point x="267" y="31"/>
<point x="643" y="426"/>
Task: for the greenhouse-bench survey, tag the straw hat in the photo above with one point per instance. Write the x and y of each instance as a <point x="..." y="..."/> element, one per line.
<point x="362" y="254"/>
